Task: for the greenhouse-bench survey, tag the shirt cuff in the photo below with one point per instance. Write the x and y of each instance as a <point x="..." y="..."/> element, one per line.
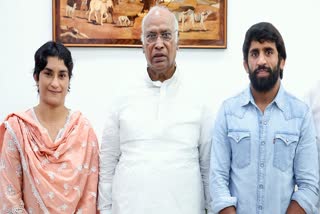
<point x="221" y="203"/>
<point x="304" y="202"/>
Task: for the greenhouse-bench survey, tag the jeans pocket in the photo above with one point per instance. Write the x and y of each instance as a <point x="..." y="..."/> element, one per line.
<point x="240" y="146"/>
<point x="284" y="151"/>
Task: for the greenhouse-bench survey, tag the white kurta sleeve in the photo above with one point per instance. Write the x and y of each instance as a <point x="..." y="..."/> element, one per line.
<point x="204" y="152"/>
<point x="109" y="157"/>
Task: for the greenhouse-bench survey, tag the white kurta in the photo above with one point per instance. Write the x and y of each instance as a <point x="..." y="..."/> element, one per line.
<point x="155" y="151"/>
<point x="313" y="100"/>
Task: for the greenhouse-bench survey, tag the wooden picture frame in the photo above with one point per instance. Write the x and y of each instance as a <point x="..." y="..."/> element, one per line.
<point x="202" y="23"/>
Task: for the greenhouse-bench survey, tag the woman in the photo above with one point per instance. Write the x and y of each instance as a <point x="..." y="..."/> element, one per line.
<point x="49" y="154"/>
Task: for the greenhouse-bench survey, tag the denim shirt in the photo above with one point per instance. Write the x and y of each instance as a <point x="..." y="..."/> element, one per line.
<point x="257" y="158"/>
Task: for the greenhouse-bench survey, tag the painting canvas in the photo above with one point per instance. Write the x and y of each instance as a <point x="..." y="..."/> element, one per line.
<point x="117" y="23"/>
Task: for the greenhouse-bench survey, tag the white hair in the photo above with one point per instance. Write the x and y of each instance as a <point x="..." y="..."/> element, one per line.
<point x="155" y="8"/>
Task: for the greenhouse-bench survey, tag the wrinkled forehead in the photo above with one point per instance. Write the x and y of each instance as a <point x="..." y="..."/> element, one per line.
<point x="159" y="21"/>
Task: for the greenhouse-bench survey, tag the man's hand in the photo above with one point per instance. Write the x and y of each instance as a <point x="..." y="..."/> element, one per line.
<point x="294" y="208"/>
<point x="228" y="210"/>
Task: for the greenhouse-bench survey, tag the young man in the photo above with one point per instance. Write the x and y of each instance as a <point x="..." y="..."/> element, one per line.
<point x="264" y="141"/>
<point x="155" y="148"/>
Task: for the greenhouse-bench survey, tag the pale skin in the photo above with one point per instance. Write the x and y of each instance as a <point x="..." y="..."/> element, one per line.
<point x="266" y="54"/>
<point x="160" y="55"/>
<point x="53" y="86"/>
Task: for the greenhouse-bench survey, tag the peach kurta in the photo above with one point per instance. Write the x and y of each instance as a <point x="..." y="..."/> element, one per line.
<point x="38" y="175"/>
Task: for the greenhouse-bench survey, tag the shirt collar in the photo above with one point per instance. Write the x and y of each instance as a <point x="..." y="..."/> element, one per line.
<point x="175" y="77"/>
<point x="279" y="100"/>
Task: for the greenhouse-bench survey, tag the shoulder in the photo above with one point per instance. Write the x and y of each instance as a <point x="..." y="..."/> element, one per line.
<point x="313" y="96"/>
<point x="291" y="106"/>
<point x="235" y="102"/>
<point x="294" y="106"/>
<point x="17" y="118"/>
<point x="78" y="117"/>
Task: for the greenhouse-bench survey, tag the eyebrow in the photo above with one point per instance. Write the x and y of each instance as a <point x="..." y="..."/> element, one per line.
<point x="264" y="49"/>
<point x="268" y="49"/>
<point x="161" y="31"/>
<point x="60" y="71"/>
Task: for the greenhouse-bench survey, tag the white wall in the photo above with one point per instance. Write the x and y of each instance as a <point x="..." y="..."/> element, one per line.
<point x="99" y="72"/>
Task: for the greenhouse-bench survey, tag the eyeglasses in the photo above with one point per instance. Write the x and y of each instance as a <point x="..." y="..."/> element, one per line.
<point x="153" y="37"/>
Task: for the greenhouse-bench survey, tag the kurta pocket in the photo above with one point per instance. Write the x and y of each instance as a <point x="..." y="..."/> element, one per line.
<point x="240" y="148"/>
<point x="284" y="150"/>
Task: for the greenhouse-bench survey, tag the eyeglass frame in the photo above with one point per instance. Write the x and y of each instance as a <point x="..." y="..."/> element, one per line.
<point x="173" y="34"/>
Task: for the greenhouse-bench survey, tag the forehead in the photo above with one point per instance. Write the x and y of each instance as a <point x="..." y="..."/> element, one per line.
<point x="159" y="20"/>
<point x="56" y="63"/>
<point x="256" y="45"/>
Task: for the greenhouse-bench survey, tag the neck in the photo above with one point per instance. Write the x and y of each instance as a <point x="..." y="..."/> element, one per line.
<point x="161" y="75"/>
<point x="262" y="99"/>
<point x="51" y="114"/>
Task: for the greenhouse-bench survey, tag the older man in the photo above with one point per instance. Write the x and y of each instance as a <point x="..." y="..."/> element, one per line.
<point x="313" y="100"/>
<point x="156" y="144"/>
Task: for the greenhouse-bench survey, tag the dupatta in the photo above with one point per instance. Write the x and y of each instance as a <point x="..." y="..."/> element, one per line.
<point x="41" y="176"/>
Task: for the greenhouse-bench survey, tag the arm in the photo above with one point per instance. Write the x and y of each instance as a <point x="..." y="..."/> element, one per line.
<point x="109" y="157"/>
<point x="294" y="208"/>
<point x="10" y="174"/>
<point x="220" y="166"/>
<point x="228" y="210"/>
<point x="306" y="168"/>
<point x="204" y="153"/>
<point x="88" y="201"/>
<point x="313" y="100"/>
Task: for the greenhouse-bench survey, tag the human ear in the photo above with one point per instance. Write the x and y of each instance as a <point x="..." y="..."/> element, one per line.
<point x="35" y="78"/>
<point x="282" y="63"/>
<point x="245" y="65"/>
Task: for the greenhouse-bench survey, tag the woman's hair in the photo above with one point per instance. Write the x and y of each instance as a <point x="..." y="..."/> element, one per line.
<point x="51" y="49"/>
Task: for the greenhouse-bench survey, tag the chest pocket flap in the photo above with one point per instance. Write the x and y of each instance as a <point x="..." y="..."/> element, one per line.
<point x="237" y="136"/>
<point x="287" y="138"/>
<point x="284" y="151"/>
<point x="240" y="148"/>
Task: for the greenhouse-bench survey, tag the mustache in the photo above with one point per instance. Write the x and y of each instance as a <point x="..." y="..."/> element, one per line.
<point x="262" y="67"/>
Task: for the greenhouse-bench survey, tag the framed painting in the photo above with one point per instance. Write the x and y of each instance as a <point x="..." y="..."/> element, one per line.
<point x="117" y="23"/>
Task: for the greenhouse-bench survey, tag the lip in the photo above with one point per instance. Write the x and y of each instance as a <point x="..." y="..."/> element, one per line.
<point x="159" y="57"/>
<point x="262" y="73"/>
<point x="54" y="92"/>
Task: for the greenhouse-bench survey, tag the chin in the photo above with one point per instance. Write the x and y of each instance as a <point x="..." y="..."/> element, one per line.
<point x="53" y="103"/>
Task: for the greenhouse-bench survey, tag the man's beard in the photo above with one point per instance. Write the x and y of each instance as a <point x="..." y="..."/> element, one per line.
<point x="264" y="84"/>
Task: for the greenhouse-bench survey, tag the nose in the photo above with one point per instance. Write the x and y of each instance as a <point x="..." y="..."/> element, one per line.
<point x="55" y="82"/>
<point x="159" y="43"/>
<point x="262" y="60"/>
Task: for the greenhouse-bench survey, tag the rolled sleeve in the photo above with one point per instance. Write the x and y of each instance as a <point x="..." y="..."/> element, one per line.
<point x="220" y="166"/>
<point x="306" y="168"/>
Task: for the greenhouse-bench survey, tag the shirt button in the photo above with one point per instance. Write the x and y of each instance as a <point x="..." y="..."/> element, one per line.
<point x="262" y="143"/>
<point x="261" y="165"/>
<point x="260" y="186"/>
<point x="260" y="207"/>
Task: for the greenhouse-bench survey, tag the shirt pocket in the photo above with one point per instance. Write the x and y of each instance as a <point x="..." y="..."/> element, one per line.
<point x="284" y="150"/>
<point x="240" y="148"/>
